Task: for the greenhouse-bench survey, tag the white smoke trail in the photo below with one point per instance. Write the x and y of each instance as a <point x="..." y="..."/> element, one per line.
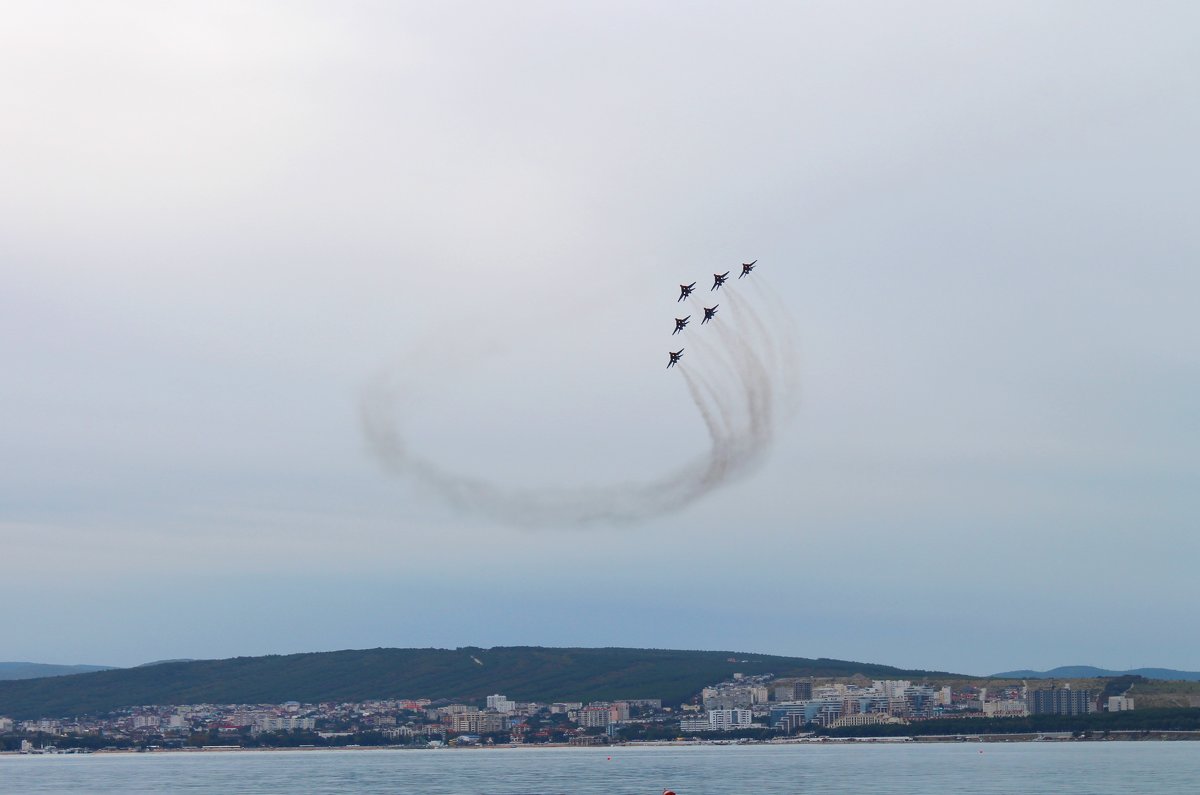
<point x="738" y="376"/>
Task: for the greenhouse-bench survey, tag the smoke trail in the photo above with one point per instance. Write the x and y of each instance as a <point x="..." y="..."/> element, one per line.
<point x="737" y="377"/>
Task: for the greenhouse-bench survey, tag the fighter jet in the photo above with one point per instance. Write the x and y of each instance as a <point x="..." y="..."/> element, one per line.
<point x="675" y="357"/>
<point x="685" y="290"/>
<point x="679" y="324"/>
<point x="709" y="313"/>
<point x="719" y="279"/>
<point x="746" y="268"/>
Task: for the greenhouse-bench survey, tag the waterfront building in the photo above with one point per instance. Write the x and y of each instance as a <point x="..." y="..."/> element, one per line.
<point x="892" y="688"/>
<point x="864" y="719"/>
<point x="1119" y="703"/>
<point x="1061" y="701"/>
<point x="718" y="720"/>
<point x="478" y="722"/>
<point x="726" y="719"/>
<point x="286" y="723"/>
<point x="793" y="691"/>
<point x="1005" y="708"/>
<point x="729" y="697"/>
<point x="457" y="709"/>
<point x="821" y="711"/>
<point x="594" y="716"/>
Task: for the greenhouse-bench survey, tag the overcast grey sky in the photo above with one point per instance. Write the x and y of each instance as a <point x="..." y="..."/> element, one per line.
<point x="221" y="222"/>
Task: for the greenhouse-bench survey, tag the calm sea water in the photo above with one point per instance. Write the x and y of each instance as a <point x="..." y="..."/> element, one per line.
<point x="1095" y="768"/>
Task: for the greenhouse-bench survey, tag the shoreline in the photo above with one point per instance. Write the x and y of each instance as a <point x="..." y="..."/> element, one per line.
<point x="1124" y="737"/>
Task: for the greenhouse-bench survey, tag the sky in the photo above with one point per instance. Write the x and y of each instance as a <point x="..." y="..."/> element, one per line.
<point x="226" y="229"/>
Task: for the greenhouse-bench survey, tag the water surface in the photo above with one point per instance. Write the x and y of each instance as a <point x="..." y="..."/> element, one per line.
<point x="1094" y="768"/>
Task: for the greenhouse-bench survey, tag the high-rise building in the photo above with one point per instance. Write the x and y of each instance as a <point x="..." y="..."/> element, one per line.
<point x="738" y="697"/>
<point x="793" y="691"/>
<point x="594" y="715"/>
<point x="726" y="719"/>
<point x="1061" y="701"/>
<point x="719" y="720"/>
<point x="478" y="722"/>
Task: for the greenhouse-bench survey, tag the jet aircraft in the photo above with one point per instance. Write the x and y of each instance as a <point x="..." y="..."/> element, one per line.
<point x="746" y="268"/>
<point x="680" y="323"/>
<point x="719" y="279"/>
<point x="709" y="313"/>
<point x="685" y="290"/>
<point x="675" y="357"/>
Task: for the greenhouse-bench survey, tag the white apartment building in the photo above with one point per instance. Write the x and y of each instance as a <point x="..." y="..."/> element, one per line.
<point x="1119" y="703"/>
<point x="726" y="719"/>
<point x="892" y="688"/>
<point x="717" y="720"/>
<point x="45" y="726"/>
<point x="594" y="715"/>
<point x="864" y="719"/>
<point x="284" y="724"/>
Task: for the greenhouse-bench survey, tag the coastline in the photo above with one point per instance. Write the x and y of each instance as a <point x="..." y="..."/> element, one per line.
<point x="1049" y="737"/>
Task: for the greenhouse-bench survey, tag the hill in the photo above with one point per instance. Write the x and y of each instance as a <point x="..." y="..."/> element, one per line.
<point x="523" y="673"/>
<point x="28" y="670"/>
<point x="1091" y="672"/>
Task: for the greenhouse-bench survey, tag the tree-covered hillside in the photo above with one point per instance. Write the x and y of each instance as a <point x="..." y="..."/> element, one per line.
<point x="470" y="674"/>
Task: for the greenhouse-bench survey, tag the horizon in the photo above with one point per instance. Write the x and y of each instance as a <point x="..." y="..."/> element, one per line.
<point x="340" y="326"/>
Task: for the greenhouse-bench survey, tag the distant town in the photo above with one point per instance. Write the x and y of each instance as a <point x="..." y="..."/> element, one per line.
<point x="744" y="706"/>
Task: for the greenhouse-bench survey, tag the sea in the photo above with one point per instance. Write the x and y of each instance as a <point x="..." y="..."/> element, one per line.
<point x="1094" y="768"/>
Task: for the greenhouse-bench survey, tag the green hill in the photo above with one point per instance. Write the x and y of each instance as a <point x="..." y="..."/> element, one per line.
<point x="469" y="674"/>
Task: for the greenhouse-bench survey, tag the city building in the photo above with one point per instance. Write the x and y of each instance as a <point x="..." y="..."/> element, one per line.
<point x="729" y="697"/>
<point x="864" y="719"/>
<point x="594" y="716"/>
<point x="1005" y="708"/>
<point x="718" y="720"/>
<point x="726" y="719"/>
<point x="478" y="722"/>
<point x="286" y="723"/>
<point x="821" y="711"/>
<point x="798" y="690"/>
<point x="1119" y="703"/>
<point x="1061" y="701"/>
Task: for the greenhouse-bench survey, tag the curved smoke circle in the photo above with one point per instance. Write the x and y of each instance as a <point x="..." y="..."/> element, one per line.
<point x="740" y="378"/>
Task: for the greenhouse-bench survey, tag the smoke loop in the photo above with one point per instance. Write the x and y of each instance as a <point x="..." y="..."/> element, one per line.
<point x="740" y="378"/>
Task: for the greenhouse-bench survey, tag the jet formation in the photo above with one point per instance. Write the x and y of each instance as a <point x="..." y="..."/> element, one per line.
<point x="710" y="312"/>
